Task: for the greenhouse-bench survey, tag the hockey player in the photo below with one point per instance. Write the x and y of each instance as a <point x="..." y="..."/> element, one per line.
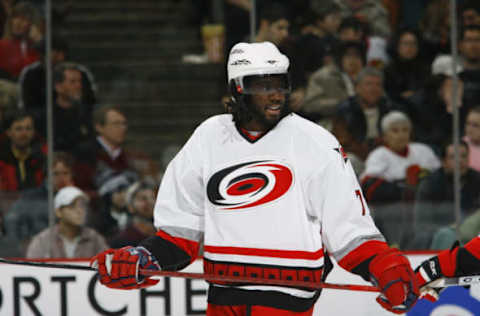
<point x="454" y="262"/>
<point x="271" y="195"/>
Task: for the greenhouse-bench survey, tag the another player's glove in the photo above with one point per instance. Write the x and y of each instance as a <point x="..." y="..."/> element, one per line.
<point x="118" y="268"/>
<point x="391" y="273"/>
<point x="454" y="262"/>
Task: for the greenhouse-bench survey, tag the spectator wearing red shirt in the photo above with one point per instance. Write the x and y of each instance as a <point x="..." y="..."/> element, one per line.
<point x="22" y="155"/>
<point x="16" y="49"/>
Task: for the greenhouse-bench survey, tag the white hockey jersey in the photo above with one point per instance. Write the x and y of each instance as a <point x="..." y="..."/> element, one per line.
<point x="384" y="163"/>
<point x="272" y="205"/>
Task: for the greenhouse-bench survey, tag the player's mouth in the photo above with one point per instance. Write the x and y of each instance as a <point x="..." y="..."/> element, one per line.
<point x="273" y="109"/>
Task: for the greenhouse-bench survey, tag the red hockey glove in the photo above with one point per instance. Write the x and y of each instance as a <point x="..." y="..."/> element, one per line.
<point x="118" y="268"/>
<point x="391" y="273"/>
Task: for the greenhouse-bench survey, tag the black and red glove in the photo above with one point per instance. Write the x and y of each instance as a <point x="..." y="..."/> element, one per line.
<point x="390" y="271"/>
<point x="453" y="262"/>
<point x="118" y="268"/>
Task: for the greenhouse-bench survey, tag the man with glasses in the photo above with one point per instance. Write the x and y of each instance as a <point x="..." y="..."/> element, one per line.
<point x="106" y="154"/>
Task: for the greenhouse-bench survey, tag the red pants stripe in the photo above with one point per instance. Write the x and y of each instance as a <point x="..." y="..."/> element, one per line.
<point x="255" y="310"/>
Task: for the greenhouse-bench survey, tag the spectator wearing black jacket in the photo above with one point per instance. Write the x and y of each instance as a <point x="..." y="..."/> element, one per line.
<point x="72" y="120"/>
<point x="407" y="71"/>
<point x="434" y="207"/>
<point x="32" y="83"/>
<point x="369" y="105"/>
<point x="140" y="198"/>
<point x="433" y="108"/>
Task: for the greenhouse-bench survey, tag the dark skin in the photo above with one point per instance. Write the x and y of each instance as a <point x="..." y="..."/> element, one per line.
<point x="266" y="108"/>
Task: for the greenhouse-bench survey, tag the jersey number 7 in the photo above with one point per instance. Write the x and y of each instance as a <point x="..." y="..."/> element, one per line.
<point x="359" y="195"/>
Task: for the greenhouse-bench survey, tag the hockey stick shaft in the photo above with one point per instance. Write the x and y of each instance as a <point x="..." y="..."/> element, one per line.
<point x="445" y="282"/>
<point x="47" y="265"/>
<point x="201" y="276"/>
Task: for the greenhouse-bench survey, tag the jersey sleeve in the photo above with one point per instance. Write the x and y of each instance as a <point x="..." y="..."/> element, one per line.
<point x="348" y="231"/>
<point x="178" y="211"/>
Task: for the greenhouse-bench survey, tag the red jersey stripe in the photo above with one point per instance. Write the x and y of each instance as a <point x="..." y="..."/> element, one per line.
<point x="288" y="254"/>
<point x="361" y="253"/>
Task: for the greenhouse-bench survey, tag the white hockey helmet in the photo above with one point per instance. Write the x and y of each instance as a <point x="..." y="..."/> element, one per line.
<point x="256" y="59"/>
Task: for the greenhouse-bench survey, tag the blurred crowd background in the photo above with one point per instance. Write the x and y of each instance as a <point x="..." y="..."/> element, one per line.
<point x="132" y="79"/>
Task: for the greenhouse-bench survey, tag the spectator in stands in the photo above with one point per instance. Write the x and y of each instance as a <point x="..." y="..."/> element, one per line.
<point x="8" y="247"/>
<point x="22" y="154"/>
<point x="469" y="13"/>
<point x="140" y="198"/>
<point x="407" y="70"/>
<point x="446" y="236"/>
<point x="472" y="137"/>
<point x="113" y="214"/>
<point x="368" y="105"/>
<point x="435" y="27"/>
<point x="355" y="30"/>
<point x="5" y="8"/>
<point x="469" y="47"/>
<point x="434" y="200"/>
<point x="70" y="236"/>
<point x="16" y="49"/>
<point x="368" y="11"/>
<point x="433" y="107"/>
<point x="273" y="26"/>
<point x="107" y="152"/>
<point x="333" y="83"/>
<point x="352" y="30"/>
<point x="320" y="36"/>
<point x="8" y="100"/>
<point x="392" y="174"/>
<point x="237" y="16"/>
<point x="32" y="83"/>
<point x="37" y="31"/>
<point x="29" y="214"/>
<point x="72" y="119"/>
<point x="397" y="162"/>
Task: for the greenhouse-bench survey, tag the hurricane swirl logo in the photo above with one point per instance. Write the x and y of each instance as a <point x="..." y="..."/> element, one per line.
<point x="249" y="184"/>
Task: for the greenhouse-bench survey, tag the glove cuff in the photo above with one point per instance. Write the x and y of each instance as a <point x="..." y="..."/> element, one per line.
<point x="383" y="262"/>
<point x="429" y="270"/>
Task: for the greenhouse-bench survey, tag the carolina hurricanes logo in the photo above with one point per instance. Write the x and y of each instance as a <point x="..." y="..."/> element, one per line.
<point x="249" y="184"/>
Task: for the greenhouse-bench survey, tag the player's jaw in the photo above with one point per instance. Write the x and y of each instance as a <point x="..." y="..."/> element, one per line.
<point x="268" y="109"/>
